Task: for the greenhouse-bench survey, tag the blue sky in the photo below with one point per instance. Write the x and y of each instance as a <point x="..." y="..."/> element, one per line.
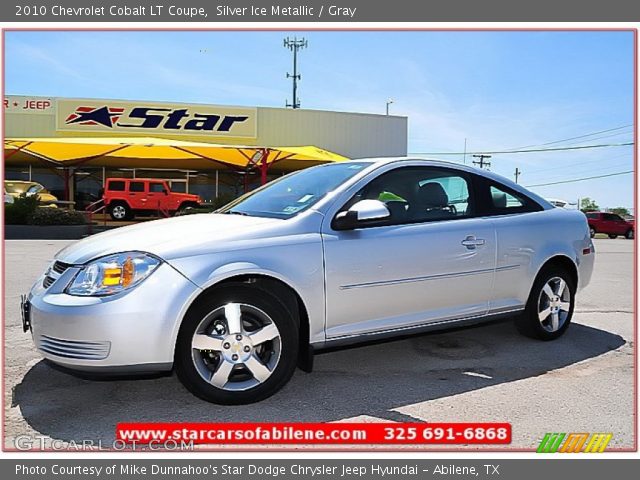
<point x="499" y="90"/>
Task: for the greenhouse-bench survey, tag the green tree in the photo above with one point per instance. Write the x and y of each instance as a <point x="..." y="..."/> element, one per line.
<point x="622" y="211"/>
<point x="586" y="205"/>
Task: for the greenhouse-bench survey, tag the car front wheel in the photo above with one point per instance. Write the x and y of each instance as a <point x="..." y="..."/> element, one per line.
<point x="629" y="234"/>
<point x="237" y="346"/>
<point x="612" y="236"/>
<point x="550" y="305"/>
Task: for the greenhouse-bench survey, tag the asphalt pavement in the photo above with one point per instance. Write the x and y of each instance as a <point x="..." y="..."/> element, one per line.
<point x="582" y="382"/>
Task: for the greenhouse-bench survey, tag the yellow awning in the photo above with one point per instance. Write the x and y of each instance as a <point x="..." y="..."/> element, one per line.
<point x="148" y="152"/>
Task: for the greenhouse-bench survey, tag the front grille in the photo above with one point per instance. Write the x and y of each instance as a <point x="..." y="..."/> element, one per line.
<point x="54" y="272"/>
<point x="74" y="348"/>
<point x="60" y="267"/>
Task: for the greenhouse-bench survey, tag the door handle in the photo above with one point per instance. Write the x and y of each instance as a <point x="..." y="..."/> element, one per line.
<point x="471" y="242"/>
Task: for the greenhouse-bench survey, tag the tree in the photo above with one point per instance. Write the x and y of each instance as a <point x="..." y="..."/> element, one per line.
<point x="622" y="211"/>
<point x="586" y="205"/>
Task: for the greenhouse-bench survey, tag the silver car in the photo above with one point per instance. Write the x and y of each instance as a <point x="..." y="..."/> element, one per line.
<point x="332" y="255"/>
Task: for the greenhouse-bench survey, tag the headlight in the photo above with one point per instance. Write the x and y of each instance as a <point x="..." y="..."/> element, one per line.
<point x="113" y="274"/>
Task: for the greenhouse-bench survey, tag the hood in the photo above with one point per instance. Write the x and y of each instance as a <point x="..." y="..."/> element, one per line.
<point x="189" y="196"/>
<point x="169" y="238"/>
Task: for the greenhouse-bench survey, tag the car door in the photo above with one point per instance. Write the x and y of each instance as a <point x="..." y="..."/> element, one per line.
<point x="431" y="261"/>
<point x="618" y="225"/>
<point x="136" y="195"/>
<point x="157" y="196"/>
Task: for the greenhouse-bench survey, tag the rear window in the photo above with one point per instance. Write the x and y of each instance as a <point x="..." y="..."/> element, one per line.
<point x="594" y="216"/>
<point x="136" y="186"/>
<point x="116" y="186"/>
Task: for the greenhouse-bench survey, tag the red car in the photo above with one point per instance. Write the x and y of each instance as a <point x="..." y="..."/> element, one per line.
<point x="610" y="224"/>
<point x="124" y="197"/>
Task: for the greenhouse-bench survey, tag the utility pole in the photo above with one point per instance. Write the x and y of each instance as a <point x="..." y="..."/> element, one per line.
<point x="464" y="155"/>
<point x="517" y="173"/>
<point x="294" y="45"/>
<point x="482" y="162"/>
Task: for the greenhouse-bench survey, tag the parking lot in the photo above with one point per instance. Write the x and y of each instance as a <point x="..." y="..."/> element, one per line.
<point x="581" y="383"/>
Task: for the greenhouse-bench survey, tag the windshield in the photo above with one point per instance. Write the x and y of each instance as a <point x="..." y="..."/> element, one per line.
<point x="294" y="193"/>
<point x="15" y="187"/>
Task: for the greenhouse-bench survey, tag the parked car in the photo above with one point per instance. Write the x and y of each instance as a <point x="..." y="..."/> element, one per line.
<point x="332" y="255"/>
<point x="124" y="197"/>
<point x="15" y="188"/>
<point x="609" y="223"/>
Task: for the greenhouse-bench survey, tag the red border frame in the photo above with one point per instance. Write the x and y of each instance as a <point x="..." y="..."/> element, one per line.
<point x="305" y="448"/>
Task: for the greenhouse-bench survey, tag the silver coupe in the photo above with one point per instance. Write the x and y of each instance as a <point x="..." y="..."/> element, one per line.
<point x="329" y="256"/>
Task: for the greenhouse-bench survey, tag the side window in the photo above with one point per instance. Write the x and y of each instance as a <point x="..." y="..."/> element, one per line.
<point x="593" y="216"/>
<point x="136" y="186"/>
<point x="612" y="217"/>
<point x="156" y="187"/>
<point x="116" y="186"/>
<point x="419" y="194"/>
<point x="501" y="200"/>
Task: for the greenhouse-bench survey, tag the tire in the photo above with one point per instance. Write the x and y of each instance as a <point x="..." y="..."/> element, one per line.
<point x="221" y="368"/>
<point x="120" y="211"/>
<point x="184" y="207"/>
<point x="612" y="236"/>
<point x="592" y="232"/>
<point x="533" y="322"/>
<point x="629" y="234"/>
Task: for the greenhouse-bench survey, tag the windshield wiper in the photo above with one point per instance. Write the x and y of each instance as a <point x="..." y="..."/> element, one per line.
<point x="236" y="212"/>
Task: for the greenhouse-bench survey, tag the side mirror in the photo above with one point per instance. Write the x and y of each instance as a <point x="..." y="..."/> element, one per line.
<point x="361" y="213"/>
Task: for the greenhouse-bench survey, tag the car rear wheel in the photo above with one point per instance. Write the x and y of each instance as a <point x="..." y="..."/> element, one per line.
<point x="550" y="306"/>
<point x="237" y="346"/>
<point x="612" y="236"/>
<point x="592" y="232"/>
<point x="629" y="234"/>
<point x="120" y="211"/>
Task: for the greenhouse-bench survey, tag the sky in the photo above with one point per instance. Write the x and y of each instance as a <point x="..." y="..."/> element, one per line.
<point x="498" y="90"/>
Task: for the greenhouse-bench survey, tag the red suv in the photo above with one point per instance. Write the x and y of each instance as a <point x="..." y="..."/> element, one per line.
<point x="610" y="224"/>
<point x="124" y="197"/>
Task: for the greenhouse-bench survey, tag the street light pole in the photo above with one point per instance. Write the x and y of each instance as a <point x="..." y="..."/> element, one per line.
<point x="389" y="102"/>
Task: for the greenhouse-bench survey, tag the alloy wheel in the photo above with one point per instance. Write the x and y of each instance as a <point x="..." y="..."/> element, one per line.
<point x="119" y="212"/>
<point x="554" y="304"/>
<point x="236" y="347"/>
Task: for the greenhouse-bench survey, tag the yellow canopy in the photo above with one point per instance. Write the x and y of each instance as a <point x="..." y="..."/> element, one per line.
<point x="148" y="152"/>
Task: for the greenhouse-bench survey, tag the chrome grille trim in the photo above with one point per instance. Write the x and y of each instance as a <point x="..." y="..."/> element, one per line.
<point x="73" y="348"/>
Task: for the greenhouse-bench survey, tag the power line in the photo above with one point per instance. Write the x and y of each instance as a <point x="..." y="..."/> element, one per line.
<point x="574" y="138"/>
<point x="580" y="179"/>
<point x="580" y="163"/>
<point x="558" y="149"/>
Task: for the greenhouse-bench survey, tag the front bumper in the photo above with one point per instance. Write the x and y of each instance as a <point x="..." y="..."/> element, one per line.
<point x="134" y="330"/>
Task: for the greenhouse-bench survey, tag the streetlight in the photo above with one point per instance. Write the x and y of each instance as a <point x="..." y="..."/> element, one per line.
<point x="389" y="102"/>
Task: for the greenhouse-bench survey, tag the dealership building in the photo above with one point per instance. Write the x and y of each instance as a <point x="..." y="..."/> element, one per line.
<point x="72" y="145"/>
